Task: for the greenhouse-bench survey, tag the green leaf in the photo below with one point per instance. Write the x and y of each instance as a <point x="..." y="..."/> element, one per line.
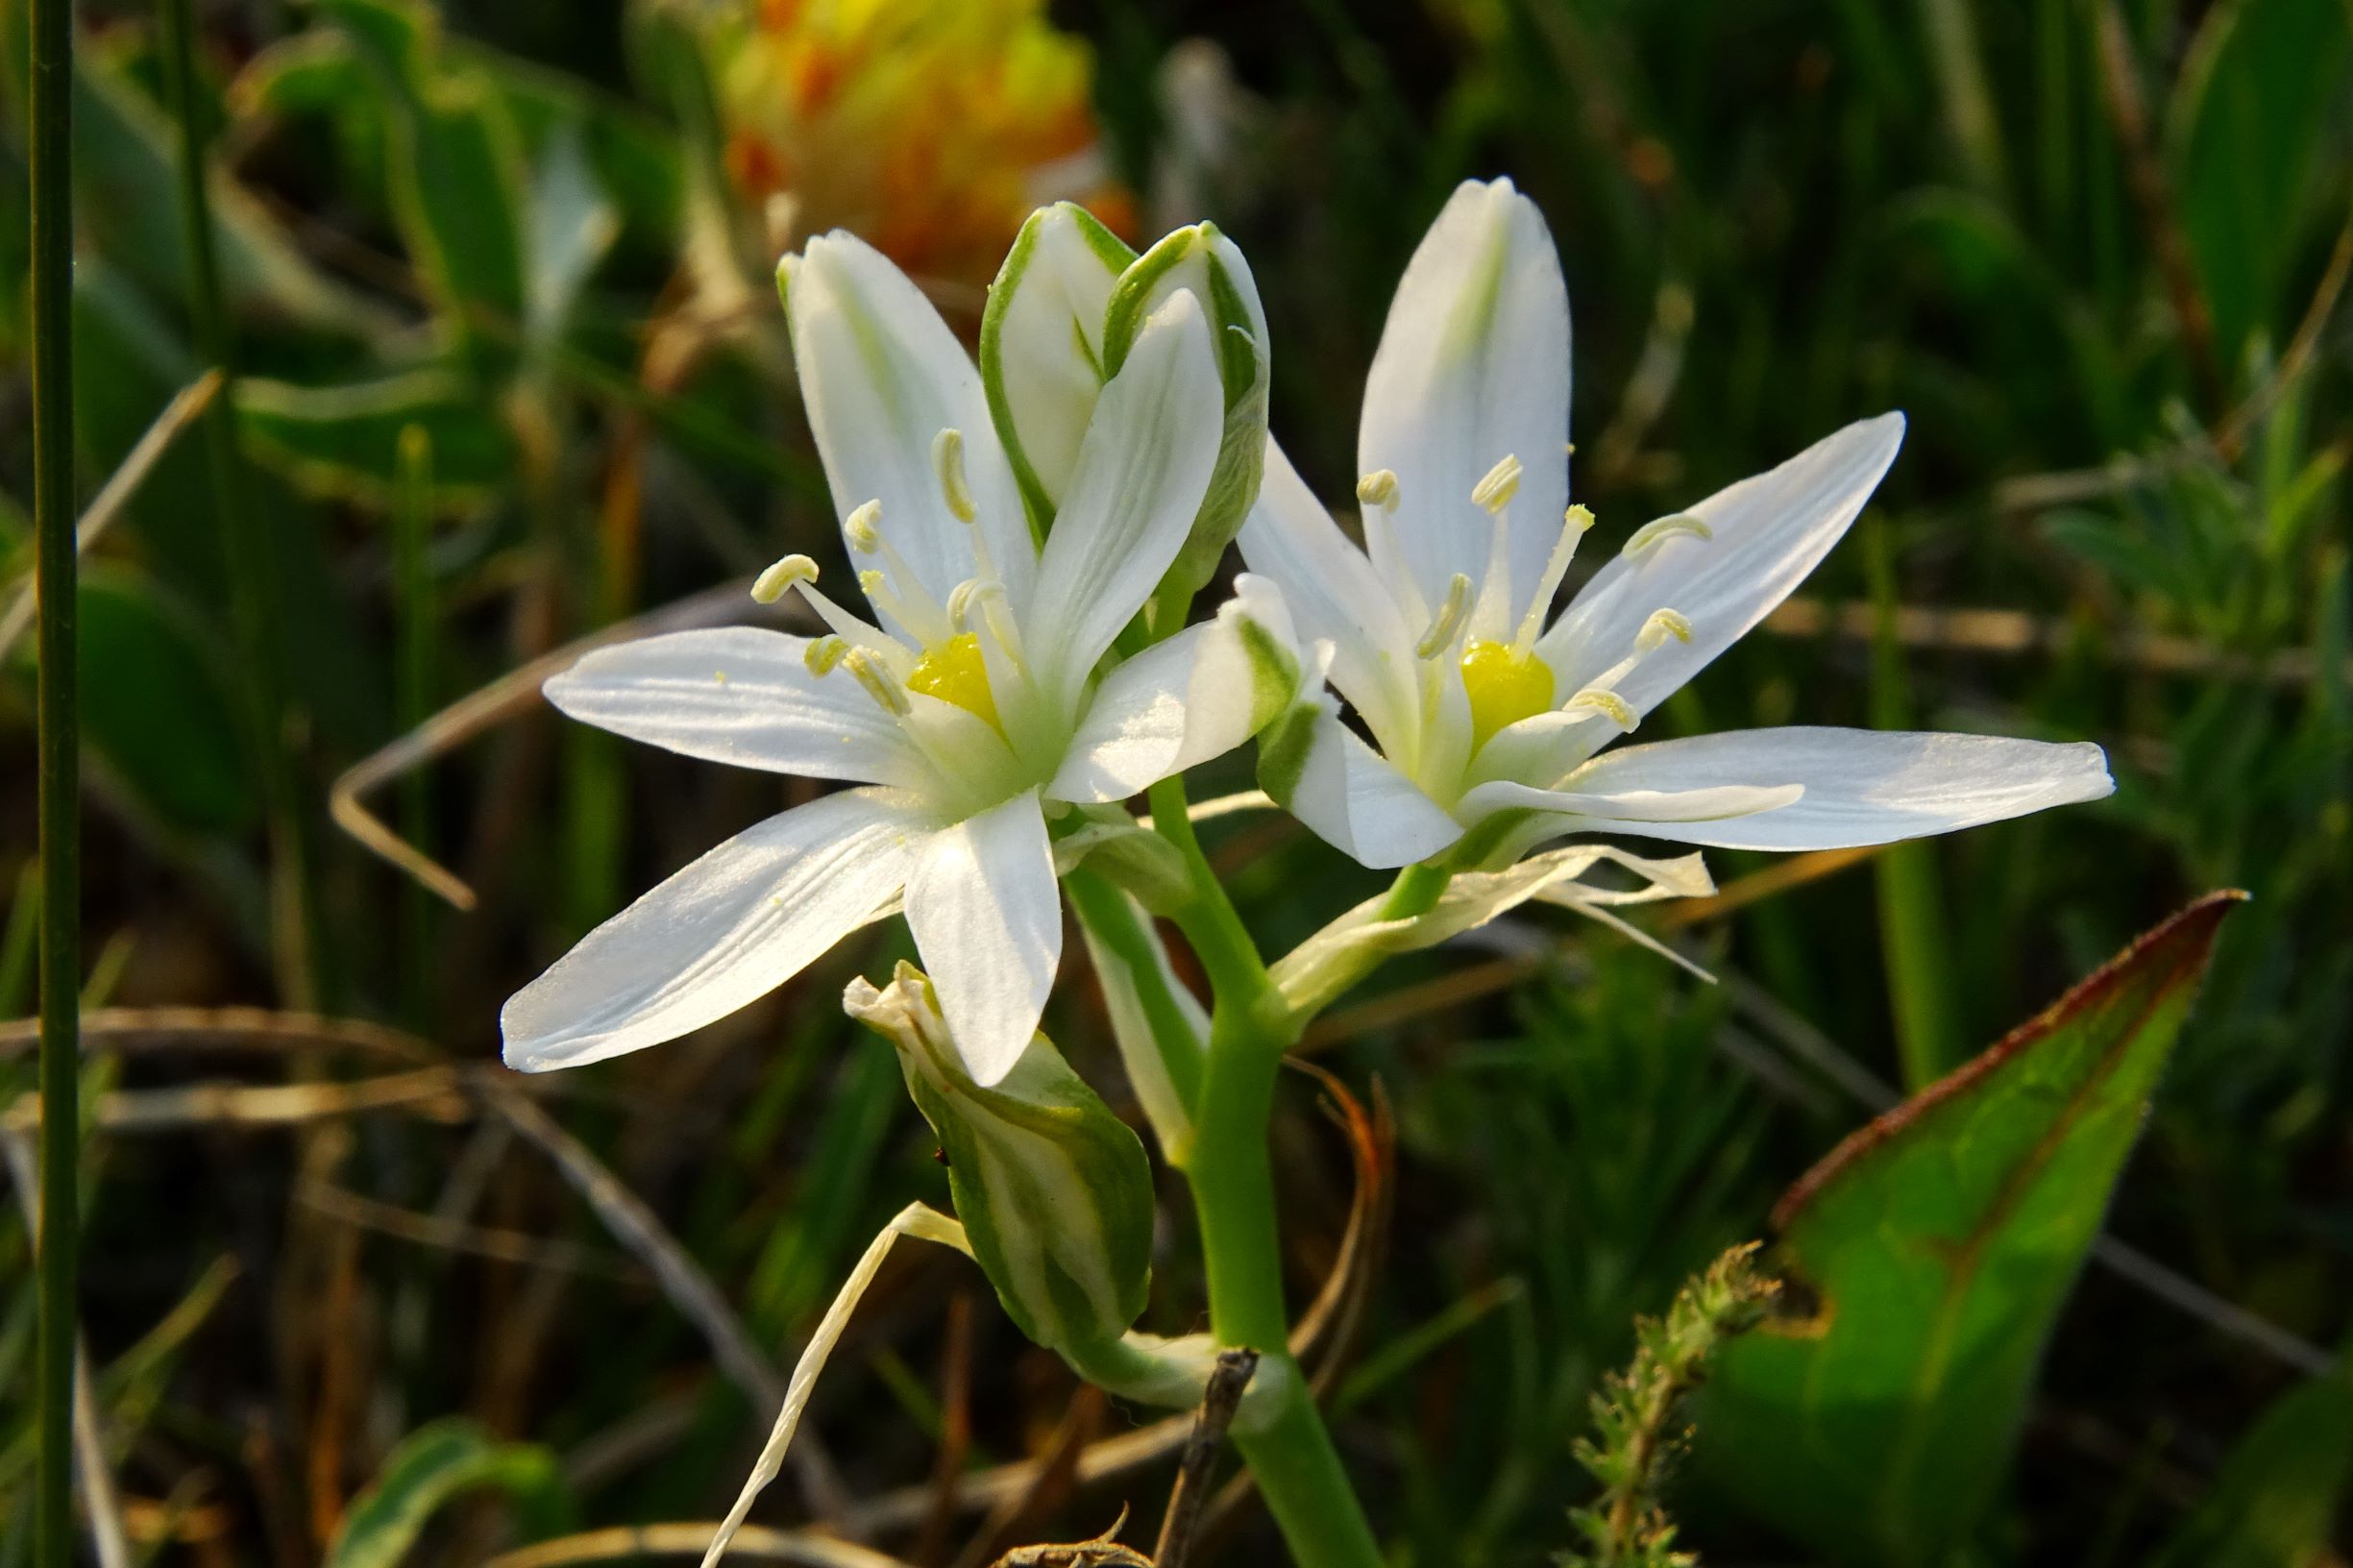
<point x="127" y="204"/>
<point x="2261" y="80"/>
<point x="156" y="709"/>
<point x="1939" y="1243"/>
<point x="429" y="1466"/>
<point x="2276" y="1502"/>
<point x="456" y="171"/>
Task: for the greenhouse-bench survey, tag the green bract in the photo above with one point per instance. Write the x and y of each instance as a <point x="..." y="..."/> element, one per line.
<point x="1053" y="1191"/>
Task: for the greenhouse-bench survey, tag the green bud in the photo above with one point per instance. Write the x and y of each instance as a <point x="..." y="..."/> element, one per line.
<point x="1054" y="1192"/>
<point x="1204" y="261"/>
<point x="1042" y="346"/>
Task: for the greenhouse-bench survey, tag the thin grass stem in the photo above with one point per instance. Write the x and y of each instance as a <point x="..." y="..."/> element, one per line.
<point x="253" y="605"/>
<point x="56" y="570"/>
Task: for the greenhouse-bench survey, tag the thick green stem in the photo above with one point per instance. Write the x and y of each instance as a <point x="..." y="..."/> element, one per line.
<point x="1231" y="1174"/>
<point x="54" y="577"/>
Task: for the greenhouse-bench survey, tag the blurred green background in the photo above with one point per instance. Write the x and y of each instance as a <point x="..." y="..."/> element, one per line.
<point x="494" y="281"/>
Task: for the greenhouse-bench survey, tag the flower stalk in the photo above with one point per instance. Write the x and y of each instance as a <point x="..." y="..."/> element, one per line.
<point x="55" y="572"/>
<point x="1289" y="1449"/>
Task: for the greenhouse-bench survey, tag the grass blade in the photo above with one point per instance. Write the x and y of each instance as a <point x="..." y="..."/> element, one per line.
<point x="55" y="570"/>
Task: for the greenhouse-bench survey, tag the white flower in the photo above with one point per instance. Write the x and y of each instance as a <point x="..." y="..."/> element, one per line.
<point x="1490" y="722"/>
<point x="966" y="712"/>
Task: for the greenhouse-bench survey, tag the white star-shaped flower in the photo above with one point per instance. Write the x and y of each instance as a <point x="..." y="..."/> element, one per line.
<point x="971" y="705"/>
<point x="1491" y="719"/>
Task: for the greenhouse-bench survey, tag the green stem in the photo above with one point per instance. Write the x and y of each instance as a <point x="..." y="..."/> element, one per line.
<point x="55" y="570"/>
<point x="1231" y="1174"/>
<point x="253" y="576"/>
<point x="415" y="619"/>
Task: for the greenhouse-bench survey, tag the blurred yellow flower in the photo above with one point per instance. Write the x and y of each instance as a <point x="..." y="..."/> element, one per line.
<point x="930" y="127"/>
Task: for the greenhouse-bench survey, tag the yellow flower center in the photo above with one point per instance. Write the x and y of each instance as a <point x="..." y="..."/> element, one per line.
<point x="955" y="672"/>
<point x="1507" y="684"/>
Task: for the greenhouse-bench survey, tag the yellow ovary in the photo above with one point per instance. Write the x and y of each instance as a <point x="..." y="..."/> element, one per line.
<point x="955" y="672"/>
<point x="1507" y="684"/>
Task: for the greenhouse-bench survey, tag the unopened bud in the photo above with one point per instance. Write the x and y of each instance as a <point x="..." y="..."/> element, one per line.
<point x="1054" y="1192"/>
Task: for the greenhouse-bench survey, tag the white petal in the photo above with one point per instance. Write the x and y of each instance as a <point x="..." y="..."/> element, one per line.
<point x="1333" y="591"/>
<point x="1767" y="533"/>
<point x="1861" y="786"/>
<point x="881" y="375"/>
<point x="987" y="917"/>
<point x="1693" y="815"/>
<point x="1473" y="366"/>
<point x="1183" y="700"/>
<point x="739" y="694"/>
<point x="718" y="935"/>
<point x="1348" y="795"/>
<point x="1042" y="341"/>
<point x="1542" y="748"/>
<point x="1142" y="472"/>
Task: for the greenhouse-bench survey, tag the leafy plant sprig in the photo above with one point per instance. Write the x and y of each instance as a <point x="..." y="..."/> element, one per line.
<point x="1634" y="1416"/>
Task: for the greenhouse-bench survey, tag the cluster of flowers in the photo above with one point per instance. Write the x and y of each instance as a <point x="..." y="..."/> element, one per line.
<point x="1029" y="529"/>
<point x="1029" y="534"/>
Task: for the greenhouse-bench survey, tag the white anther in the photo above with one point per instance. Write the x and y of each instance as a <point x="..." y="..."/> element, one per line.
<point x="879" y="683"/>
<point x="777" y="580"/>
<point x="1379" y="488"/>
<point x="1599" y="700"/>
<point x="1662" y="626"/>
<point x="1448" y="620"/>
<point x="947" y="460"/>
<point x="823" y="654"/>
<point x="1651" y="535"/>
<point x="862" y="527"/>
<point x="1502" y="482"/>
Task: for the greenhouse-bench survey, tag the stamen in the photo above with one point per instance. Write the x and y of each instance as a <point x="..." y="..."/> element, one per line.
<point x="947" y="459"/>
<point x="1651" y="535"/>
<point x="1600" y="700"/>
<point x="777" y="580"/>
<point x="1379" y="488"/>
<point x="879" y="681"/>
<point x="874" y="583"/>
<point x="1575" y="524"/>
<point x="996" y="614"/>
<point x="1448" y="620"/>
<point x="862" y="527"/>
<point x="1662" y="626"/>
<point x="1502" y="482"/>
<point x="960" y="604"/>
<point x="823" y="653"/>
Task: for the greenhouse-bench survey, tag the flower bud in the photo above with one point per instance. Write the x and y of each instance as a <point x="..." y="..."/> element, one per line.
<point x="1063" y="314"/>
<point x="1042" y="346"/>
<point x="1054" y="1192"/>
<point x="1202" y="259"/>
